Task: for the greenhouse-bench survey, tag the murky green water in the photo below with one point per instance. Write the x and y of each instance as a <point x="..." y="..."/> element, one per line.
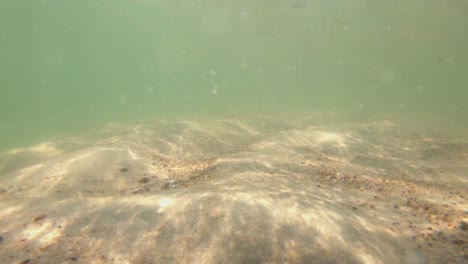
<point x="69" y="65"/>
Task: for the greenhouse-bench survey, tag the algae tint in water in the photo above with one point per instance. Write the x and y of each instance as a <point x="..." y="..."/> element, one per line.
<point x="233" y="131"/>
<point x="69" y="65"/>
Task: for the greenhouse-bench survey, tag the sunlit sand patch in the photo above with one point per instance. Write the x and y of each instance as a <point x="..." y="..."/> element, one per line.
<point x="186" y="191"/>
<point x="10" y="210"/>
<point x="165" y="202"/>
<point x="323" y="136"/>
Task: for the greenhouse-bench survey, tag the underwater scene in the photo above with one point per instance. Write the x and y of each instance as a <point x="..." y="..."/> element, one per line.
<point x="234" y="131"/>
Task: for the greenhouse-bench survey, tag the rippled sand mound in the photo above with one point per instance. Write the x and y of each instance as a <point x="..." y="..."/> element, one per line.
<point x="264" y="190"/>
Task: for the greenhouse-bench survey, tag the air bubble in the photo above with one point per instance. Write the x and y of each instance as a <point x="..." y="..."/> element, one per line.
<point x="149" y="89"/>
<point x="420" y="88"/>
<point x="123" y="98"/>
<point x="214" y="89"/>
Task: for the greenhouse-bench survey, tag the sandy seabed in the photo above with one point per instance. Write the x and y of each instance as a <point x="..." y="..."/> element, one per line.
<point x="258" y="190"/>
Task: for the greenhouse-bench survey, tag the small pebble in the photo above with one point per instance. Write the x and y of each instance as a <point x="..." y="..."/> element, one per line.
<point x="73" y="258"/>
<point x="463" y="225"/>
<point x="123" y="169"/>
<point x="171" y="181"/>
<point x="396" y="206"/>
<point x="1" y="239"/>
<point x="26" y="261"/>
<point x="39" y="217"/>
<point x="144" y="180"/>
<point x="139" y="190"/>
<point x="169" y="184"/>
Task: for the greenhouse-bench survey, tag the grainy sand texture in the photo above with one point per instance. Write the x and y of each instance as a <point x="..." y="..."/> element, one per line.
<point x="254" y="190"/>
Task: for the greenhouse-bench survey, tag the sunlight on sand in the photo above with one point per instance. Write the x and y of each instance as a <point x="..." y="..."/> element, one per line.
<point x="255" y="191"/>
